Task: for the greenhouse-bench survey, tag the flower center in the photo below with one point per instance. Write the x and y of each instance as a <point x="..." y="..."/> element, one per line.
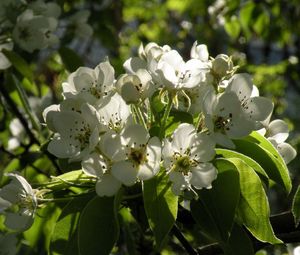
<point x="138" y="156"/>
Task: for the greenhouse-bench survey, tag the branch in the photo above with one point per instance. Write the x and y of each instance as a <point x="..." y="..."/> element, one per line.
<point x="18" y="114"/>
<point x="283" y="226"/>
<point x="176" y="232"/>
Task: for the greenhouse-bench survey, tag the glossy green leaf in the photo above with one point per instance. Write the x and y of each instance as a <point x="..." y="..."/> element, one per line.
<point x="253" y="210"/>
<point x="263" y="154"/>
<point x="239" y="242"/>
<point x="225" y="153"/>
<point x="296" y="207"/>
<point x="70" y="58"/>
<point x="161" y="206"/>
<point x="64" y="236"/>
<point x="215" y="209"/>
<point x="98" y="226"/>
<point x="266" y="144"/>
<point x="19" y="63"/>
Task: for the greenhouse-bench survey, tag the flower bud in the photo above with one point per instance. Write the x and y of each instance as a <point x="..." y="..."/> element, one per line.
<point x="222" y="65"/>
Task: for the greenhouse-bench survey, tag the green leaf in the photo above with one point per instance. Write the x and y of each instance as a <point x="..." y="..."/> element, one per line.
<point x="75" y="178"/>
<point x="265" y="155"/>
<point x="239" y="242"/>
<point x="246" y="15"/>
<point x="161" y="206"/>
<point x="215" y="209"/>
<point x="266" y="144"/>
<point x="43" y="224"/>
<point x="175" y="119"/>
<point x="296" y="207"/>
<point x="253" y="208"/>
<point x="24" y="99"/>
<point x="64" y="236"/>
<point x="99" y="226"/>
<point x="70" y="58"/>
<point x="19" y="63"/>
<point x="233" y="27"/>
<point x="225" y="153"/>
<point x="261" y="23"/>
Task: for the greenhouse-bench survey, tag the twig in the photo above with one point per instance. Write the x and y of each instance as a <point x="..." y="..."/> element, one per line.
<point x="176" y="232"/>
<point x="15" y="110"/>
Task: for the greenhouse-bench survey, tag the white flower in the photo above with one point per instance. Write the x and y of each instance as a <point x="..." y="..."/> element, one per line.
<point x="176" y="74"/>
<point x="4" y="62"/>
<point x="186" y="159"/>
<point x="199" y="51"/>
<point x="100" y="166"/>
<point x="135" y="87"/>
<point x="134" y="154"/>
<point x="277" y="132"/>
<point x="90" y="84"/>
<point x="76" y="133"/>
<point x="18" y="134"/>
<point x="225" y="119"/>
<point x="256" y="108"/>
<point x="34" y="31"/>
<point x="114" y="112"/>
<point x="79" y="22"/>
<point x="45" y="9"/>
<point x="18" y="202"/>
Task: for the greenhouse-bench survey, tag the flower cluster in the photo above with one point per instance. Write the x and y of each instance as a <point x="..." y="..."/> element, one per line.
<point x="33" y="25"/>
<point x="107" y="122"/>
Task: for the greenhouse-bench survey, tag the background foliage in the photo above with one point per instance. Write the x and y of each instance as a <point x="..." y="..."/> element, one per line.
<point x="262" y="36"/>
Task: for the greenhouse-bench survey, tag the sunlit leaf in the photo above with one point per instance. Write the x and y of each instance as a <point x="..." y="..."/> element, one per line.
<point x="253" y="208"/>
<point x="267" y="158"/>
<point x="64" y="236"/>
<point x="296" y="207"/>
<point x="161" y="206"/>
<point x="98" y="226"/>
<point x="215" y="209"/>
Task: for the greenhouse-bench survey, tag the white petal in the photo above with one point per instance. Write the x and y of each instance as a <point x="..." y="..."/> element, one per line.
<point x="106" y="75"/>
<point x="114" y="151"/>
<point x="180" y="182"/>
<point x="4" y="204"/>
<point x="132" y="65"/>
<point x="125" y="172"/>
<point x="241" y="84"/>
<point x="258" y="108"/>
<point x="183" y="136"/>
<point x="108" y="185"/>
<point x="203" y="175"/>
<point x="223" y="140"/>
<point x="287" y="152"/>
<point x="152" y="166"/>
<point x="199" y="51"/>
<point x="203" y="148"/>
<point x="16" y="221"/>
<point x="278" y="130"/>
<point x="62" y="148"/>
<point x="134" y="135"/>
<point x="94" y="165"/>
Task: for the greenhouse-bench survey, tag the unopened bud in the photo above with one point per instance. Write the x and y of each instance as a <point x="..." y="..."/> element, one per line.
<point x="222" y="65"/>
